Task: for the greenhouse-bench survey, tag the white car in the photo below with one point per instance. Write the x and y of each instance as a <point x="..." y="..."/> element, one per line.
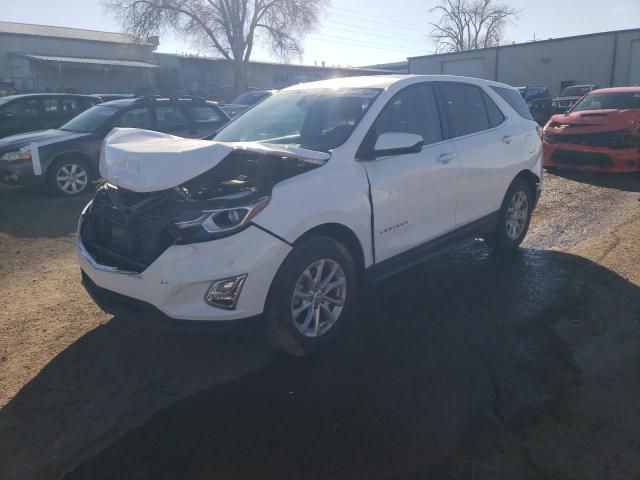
<point x="316" y="192"/>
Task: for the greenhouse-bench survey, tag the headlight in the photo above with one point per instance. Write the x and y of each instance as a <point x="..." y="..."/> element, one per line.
<point x="219" y="222"/>
<point x="17" y="155"/>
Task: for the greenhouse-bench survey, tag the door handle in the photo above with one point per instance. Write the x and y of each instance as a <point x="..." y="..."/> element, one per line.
<point x="507" y="139"/>
<point x="445" y="158"/>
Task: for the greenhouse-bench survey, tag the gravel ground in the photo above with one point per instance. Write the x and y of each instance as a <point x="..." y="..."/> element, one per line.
<point x="524" y="367"/>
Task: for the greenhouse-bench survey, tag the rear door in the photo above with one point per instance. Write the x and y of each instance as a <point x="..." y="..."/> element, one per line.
<point x="489" y="147"/>
<point x="413" y="195"/>
<point x="171" y="118"/>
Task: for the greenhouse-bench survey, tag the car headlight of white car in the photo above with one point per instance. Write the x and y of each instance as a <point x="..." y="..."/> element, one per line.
<point x="16" y="155"/>
<point x="210" y="224"/>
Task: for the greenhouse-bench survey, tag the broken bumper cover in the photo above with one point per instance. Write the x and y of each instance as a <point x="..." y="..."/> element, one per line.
<point x="177" y="282"/>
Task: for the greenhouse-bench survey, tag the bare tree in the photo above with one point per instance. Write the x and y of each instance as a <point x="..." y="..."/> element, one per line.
<point x="470" y="24"/>
<point x="229" y="27"/>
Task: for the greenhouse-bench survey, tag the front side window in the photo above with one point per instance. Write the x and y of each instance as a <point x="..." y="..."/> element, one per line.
<point x="170" y="117"/>
<point x="135" y="118"/>
<point x="412" y="110"/>
<point x="90" y="120"/>
<point x="605" y="101"/>
<point x="514" y="100"/>
<point x="313" y="119"/>
<point x="465" y="108"/>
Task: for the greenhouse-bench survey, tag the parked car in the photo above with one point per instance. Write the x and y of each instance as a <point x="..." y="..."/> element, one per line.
<point x="569" y="96"/>
<point x="600" y="133"/>
<point x="38" y="111"/>
<point x="66" y="159"/>
<point x="107" y="97"/>
<point x="245" y="101"/>
<point x="538" y="99"/>
<point x="376" y="174"/>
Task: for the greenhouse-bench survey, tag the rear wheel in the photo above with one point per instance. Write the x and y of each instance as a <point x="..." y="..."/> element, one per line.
<point x="312" y="297"/>
<point x="69" y="177"/>
<point x="514" y="217"/>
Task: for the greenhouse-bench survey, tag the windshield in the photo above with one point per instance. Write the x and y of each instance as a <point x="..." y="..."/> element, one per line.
<point x="90" y="120"/>
<point x="313" y="119"/>
<point x="522" y="90"/>
<point x="575" y="91"/>
<point x="605" y="101"/>
<point x="249" y="98"/>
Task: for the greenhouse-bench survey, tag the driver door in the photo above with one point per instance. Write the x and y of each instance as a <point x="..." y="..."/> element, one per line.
<point x="413" y="194"/>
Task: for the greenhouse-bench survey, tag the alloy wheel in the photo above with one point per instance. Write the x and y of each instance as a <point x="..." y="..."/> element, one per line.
<point x="72" y="178"/>
<point x="318" y="298"/>
<point x="517" y="215"/>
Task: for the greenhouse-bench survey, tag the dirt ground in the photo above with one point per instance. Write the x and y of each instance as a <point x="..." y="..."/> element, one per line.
<point x="473" y="366"/>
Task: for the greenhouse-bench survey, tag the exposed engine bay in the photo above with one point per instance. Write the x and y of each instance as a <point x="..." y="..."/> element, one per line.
<point x="129" y="230"/>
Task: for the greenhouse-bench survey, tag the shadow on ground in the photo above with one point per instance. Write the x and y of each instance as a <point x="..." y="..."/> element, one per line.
<point x="627" y="182"/>
<point x="25" y="212"/>
<point x="460" y="345"/>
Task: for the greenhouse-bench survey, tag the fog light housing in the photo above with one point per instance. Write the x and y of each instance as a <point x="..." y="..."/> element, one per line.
<point x="225" y="293"/>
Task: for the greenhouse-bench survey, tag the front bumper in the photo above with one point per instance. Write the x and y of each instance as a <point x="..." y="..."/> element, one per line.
<point x="176" y="282"/>
<point x="18" y="172"/>
<point x="593" y="159"/>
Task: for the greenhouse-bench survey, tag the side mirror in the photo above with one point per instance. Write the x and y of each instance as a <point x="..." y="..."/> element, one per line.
<point x="397" y="143"/>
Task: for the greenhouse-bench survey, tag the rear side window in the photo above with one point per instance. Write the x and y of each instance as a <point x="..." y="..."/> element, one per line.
<point x="203" y="114"/>
<point x="515" y="101"/>
<point x="169" y="117"/>
<point x="412" y="110"/>
<point x="495" y="115"/>
<point x="71" y="106"/>
<point x="20" y="109"/>
<point x="50" y="106"/>
<point x="465" y="107"/>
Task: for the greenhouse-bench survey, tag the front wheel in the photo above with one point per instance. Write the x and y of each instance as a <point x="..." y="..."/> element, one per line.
<point x="514" y="217"/>
<point x="69" y="177"/>
<point x="312" y="297"/>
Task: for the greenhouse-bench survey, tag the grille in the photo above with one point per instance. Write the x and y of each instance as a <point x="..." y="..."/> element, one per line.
<point x="615" y="140"/>
<point x="131" y="244"/>
<point x="582" y="158"/>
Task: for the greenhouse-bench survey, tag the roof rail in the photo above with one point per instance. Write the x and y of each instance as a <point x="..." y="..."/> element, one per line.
<point x="170" y="97"/>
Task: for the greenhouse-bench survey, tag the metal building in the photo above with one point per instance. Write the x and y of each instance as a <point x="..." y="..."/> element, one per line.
<point x="43" y="57"/>
<point x="605" y="59"/>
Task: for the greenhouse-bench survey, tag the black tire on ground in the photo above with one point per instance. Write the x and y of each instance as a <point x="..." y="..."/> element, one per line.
<point x="501" y="239"/>
<point x="280" y="328"/>
<point x="80" y="185"/>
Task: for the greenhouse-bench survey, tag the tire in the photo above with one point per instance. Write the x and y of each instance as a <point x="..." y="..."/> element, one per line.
<point x="287" y="332"/>
<point x="79" y="177"/>
<point x="510" y="231"/>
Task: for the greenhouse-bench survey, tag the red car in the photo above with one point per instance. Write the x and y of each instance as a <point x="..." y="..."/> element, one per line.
<point x="601" y="132"/>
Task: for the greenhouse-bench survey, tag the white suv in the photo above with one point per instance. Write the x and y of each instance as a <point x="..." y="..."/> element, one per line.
<point x="315" y="192"/>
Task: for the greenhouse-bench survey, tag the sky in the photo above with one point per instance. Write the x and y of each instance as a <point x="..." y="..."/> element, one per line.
<point x="362" y="32"/>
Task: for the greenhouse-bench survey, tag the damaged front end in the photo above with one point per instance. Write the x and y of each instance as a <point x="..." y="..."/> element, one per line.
<point x="129" y="230"/>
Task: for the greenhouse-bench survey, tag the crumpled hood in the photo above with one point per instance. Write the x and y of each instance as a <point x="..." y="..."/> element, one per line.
<point x="145" y="161"/>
